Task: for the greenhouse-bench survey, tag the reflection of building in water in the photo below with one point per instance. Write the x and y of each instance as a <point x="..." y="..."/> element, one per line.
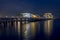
<point x="28" y="15"/>
<point x="48" y="24"/>
<point x="26" y="30"/>
<point x="29" y="30"/>
<point x="33" y="28"/>
<point x="18" y="27"/>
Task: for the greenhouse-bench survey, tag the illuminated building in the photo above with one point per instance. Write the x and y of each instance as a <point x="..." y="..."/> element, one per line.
<point x="48" y="15"/>
<point x="48" y="24"/>
<point x="28" y="15"/>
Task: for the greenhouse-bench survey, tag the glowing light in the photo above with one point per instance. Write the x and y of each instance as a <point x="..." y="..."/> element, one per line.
<point x="48" y="15"/>
<point x="34" y="16"/>
<point x="12" y="16"/>
<point x="33" y="28"/>
<point x="6" y="16"/>
<point x="15" y="25"/>
<point x="48" y="24"/>
<point x="18" y="27"/>
<point x="48" y="27"/>
<point x="28" y="15"/>
<point x="26" y="30"/>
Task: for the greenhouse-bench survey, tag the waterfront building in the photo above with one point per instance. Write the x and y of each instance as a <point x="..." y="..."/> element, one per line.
<point x="28" y="15"/>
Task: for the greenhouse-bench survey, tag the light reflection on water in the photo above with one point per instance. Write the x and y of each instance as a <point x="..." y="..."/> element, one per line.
<point x="18" y="28"/>
<point x="26" y="32"/>
<point x="29" y="29"/>
<point x="48" y="25"/>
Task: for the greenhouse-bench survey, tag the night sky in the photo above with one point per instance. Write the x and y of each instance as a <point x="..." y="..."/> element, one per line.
<point x="13" y="7"/>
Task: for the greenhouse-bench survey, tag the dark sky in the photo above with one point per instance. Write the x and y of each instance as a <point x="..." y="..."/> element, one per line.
<point x="13" y="7"/>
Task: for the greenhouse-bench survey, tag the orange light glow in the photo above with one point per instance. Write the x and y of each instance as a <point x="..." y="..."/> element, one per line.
<point x="34" y="16"/>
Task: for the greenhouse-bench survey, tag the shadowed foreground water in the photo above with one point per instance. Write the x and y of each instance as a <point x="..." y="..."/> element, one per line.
<point x="41" y="30"/>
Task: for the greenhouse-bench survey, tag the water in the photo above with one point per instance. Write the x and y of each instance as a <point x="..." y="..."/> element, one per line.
<point x="40" y="30"/>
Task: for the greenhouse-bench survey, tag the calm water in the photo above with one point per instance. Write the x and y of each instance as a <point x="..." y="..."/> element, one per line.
<point x="40" y="30"/>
